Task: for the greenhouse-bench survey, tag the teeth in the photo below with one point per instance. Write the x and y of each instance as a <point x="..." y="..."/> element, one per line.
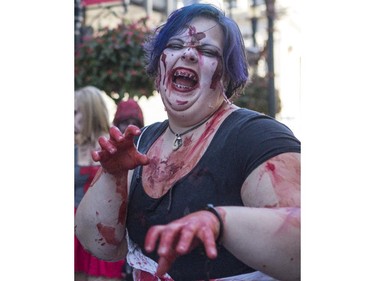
<point x="181" y="86"/>
<point x="185" y="74"/>
<point x="184" y="80"/>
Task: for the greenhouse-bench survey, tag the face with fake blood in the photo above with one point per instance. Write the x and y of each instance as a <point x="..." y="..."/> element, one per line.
<point x="191" y="69"/>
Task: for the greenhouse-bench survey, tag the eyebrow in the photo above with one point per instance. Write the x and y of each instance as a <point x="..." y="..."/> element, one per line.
<point x="176" y="38"/>
<point x="210" y="45"/>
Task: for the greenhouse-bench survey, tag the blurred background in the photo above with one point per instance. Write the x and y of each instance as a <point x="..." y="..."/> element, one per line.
<point x="108" y="52"/>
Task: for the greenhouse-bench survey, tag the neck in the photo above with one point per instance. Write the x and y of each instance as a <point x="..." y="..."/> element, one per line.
<point x="178" y="140"/>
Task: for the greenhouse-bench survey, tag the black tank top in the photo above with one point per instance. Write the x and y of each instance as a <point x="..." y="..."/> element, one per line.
<point x="244" y="140"/>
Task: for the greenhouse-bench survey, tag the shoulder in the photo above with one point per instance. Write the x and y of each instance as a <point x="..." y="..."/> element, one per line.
<point x="252" y="126"/>
<point x="247" y="117"/>
<point x="257" y="137"/>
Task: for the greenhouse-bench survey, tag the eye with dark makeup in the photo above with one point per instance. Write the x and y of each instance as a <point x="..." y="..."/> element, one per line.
<point x="175" y="44"/>
<point x="207" y="51"/>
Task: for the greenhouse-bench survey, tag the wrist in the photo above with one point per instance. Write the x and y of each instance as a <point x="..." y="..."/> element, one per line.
<point x="214" y="211"/>
<point x="117" y="175"/>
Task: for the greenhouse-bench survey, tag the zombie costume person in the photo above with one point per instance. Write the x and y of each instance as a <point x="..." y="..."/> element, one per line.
<point x="213" y="192"/>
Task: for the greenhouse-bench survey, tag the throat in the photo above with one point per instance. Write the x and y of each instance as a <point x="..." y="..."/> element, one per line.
<point x="177" y="143"/>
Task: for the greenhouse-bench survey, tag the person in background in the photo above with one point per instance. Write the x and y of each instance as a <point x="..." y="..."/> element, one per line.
<point x="128" y="113"/>
<point x="90" y="122"/>
<point x="213" y="192"/>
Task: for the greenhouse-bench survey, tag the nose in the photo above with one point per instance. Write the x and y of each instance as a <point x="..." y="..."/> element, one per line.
<point x="190" y="55"/>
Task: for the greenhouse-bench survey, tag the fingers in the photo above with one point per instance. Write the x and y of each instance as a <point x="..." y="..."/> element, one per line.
<point x="167" y="241"/>
<point x="166" y="250"/>
<point x="168" y="236"/>
<point x="115" y="134"/>
<point x="186" y="240"/>
<point x="116" y="137"/>
<point x="209" y="243"/>
<point x="95" y="156"/>
<point x="115" y="141"/>
<point x="191" y="235"/>
<point x="142" y="158"/>
<point x="132" y="131"/>
<point x="152" y="237"/>
<point x="164" y="264"/>
<point x="106" y="145"/>
<point x="181" y="236"/>
<point x="106" y="149"/>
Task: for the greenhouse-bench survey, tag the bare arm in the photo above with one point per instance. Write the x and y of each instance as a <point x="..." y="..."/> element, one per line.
<point x="101" y="216"/>
<point x="269" y="236"/>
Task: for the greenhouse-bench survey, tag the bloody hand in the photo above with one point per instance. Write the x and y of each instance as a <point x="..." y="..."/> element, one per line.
<point x="118" y="153"/>
<point x="181" y="236"/>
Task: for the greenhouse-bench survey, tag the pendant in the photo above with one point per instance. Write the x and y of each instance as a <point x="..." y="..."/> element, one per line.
<point x="177" y="142"/>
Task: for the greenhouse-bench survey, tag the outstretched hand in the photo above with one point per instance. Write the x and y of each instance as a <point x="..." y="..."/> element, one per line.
<point x="181" y="236"/>
<point x="118" y="153"/>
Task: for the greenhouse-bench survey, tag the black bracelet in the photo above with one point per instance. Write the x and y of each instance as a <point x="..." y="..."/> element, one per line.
<point x="212" y="209"/>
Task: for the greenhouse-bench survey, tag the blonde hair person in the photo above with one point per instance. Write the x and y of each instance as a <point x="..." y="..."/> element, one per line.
<point x="91" y="120"/>
<point x="94" y="120"/>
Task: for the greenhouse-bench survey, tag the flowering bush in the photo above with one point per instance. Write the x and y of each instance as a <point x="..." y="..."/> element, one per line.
<point x="112" y="60"/>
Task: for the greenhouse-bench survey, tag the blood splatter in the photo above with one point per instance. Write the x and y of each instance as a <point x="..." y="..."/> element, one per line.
<point x="108" y="234"/>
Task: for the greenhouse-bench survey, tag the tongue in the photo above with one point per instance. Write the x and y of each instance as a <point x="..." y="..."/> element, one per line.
<point x="183" y="81"/>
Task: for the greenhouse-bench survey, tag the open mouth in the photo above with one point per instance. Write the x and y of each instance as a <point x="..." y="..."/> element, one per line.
<point x="184" y="80"/>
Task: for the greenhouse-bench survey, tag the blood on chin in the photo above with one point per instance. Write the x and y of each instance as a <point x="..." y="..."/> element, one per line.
<point x="176" y="99"/>
<point x="181" y="103"/>
<point x="178" y="104"/>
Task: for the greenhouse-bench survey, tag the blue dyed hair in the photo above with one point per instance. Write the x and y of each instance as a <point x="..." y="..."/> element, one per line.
<point x="234" y="55"/>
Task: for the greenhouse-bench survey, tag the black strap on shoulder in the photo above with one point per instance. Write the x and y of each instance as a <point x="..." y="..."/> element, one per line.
<point x="148" y="136"/>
